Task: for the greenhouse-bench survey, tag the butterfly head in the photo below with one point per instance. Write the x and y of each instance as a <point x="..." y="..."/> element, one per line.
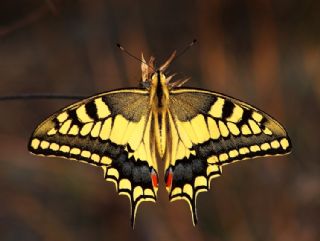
<point x="152" y="76"/>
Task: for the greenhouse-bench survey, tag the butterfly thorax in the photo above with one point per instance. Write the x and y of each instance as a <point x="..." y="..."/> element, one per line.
<point x="159" y="93"/>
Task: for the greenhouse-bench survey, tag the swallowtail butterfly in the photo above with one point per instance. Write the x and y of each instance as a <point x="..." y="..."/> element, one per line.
<point x="127" y="131"/>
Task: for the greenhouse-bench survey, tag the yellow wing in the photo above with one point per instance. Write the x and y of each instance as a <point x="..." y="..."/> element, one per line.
<point x="112" y="131"/>
<point x="209" y="130"/>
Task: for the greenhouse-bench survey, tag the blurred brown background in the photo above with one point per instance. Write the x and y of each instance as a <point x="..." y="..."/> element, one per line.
<point x="265" y="52"/>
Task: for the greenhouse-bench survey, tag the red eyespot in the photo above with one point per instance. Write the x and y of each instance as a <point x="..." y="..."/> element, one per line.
<point x="154" y="178"/>
<point x="169" y="177"/>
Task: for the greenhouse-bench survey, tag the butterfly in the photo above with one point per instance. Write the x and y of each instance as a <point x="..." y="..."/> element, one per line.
<point x="127" y="131"/>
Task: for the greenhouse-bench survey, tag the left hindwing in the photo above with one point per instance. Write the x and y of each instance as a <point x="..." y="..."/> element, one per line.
<point x="209" y="130"/>
<point x="111" y="130"/>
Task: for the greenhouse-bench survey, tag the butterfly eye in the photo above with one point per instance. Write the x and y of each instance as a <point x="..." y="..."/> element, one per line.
<point x="145" y="84"/>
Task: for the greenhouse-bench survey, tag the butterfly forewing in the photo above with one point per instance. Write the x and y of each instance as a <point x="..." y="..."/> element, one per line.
<point x="110" y="130"/>
<point x="209" y="130"/>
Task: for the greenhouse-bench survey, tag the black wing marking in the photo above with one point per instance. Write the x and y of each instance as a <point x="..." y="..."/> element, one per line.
<point x="110" y="130"/>
<point x="209" y="130"/>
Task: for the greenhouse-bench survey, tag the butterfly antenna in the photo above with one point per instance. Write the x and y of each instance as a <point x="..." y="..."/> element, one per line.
<point x="174" y="55"/>
<point x="194" y="41"/>
<point x="132" y="56"/>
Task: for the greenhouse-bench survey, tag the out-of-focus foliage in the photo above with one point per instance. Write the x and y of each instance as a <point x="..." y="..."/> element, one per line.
<point x="264" y="52"/>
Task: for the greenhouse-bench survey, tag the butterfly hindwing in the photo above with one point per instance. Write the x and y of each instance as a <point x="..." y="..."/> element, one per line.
<point x="209" y="130"/>
<point x="110" y="130"/>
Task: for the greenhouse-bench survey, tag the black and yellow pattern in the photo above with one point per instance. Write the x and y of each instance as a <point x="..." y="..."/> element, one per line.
<point x="194" y="131"/>
<point x="112" y="131"/>
<point x="209" y="130"/>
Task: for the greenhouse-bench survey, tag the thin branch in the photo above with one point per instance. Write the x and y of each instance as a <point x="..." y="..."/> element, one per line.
<point x="41" y="96"/>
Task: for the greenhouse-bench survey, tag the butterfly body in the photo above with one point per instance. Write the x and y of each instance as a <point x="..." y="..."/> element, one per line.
<point x="159" y="100"/>
<point x="128" y="131"/>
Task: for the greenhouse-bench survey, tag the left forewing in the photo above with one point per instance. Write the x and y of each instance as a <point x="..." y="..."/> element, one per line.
<point x="111" y="130"/>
